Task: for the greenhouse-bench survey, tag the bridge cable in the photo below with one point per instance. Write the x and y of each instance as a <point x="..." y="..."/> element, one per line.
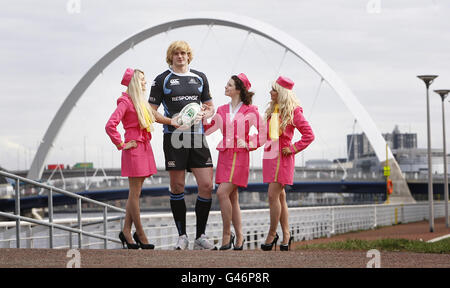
<point x="236" y="59"/>
<point x="281" y="63"/>
<point x="230" y="60"/>
<point x="315" y="98"/>
<point x="202" y="44"/>
<point x="319" y="137"/>
<point x="351" y="140"/>
<point x="266" y="56"/>
<point x="167" y="32"/>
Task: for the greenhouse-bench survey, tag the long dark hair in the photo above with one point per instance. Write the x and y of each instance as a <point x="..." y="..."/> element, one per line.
<point x="246" y="96"/>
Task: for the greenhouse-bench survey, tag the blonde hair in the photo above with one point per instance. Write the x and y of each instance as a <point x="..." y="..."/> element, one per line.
<point x="179" y="45"/>
<point x="287" y="102"/>
<point x="137" y="97"/>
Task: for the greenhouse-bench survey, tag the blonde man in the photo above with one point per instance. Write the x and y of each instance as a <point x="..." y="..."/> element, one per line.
<point x="185" y="149"/>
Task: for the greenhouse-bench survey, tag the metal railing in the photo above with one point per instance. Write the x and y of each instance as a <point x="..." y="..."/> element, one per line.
<point x="50" y="223"/>
<point x="305" y="223"/>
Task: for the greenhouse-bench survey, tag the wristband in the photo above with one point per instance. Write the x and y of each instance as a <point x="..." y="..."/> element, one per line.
<point x="120" y="146"/>
<point x="293" y="149"/>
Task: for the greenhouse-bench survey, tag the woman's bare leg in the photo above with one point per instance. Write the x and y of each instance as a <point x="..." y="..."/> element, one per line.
<point x="284" y="218"/>
<point x="223" y="193"/>
<point x="236" y="216"/>
<point x="133" y="207"/>
<point x="275" y="190"/>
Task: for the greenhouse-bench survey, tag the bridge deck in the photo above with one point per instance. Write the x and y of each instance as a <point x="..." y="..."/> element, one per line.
<point x="39" y="201"/>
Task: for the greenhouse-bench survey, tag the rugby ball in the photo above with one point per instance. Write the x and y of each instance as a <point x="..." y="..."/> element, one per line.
<point x="188" y="114"/>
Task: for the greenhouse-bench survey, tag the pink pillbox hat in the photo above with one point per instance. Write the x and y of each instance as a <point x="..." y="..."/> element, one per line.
<point x="127" y="77"/>
<point x="245" y="80"/>
<point x="285" y="82"/>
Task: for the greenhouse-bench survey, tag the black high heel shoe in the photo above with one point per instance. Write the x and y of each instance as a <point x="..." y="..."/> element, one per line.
<point x="286" y="247"/>
<point x="228" y="246"/>
<point x="268" y="247"/>
<point x="240" y="247"/>
<point x="124" y="240"/>
<point x="142" y="245"/>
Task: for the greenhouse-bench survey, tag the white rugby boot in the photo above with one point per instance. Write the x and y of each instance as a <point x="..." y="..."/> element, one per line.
<point x="203" y="243"/>
<point x="182" y="243"/>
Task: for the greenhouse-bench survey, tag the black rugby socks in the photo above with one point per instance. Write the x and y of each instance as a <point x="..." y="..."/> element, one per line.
<point x="178" y="207"/>
<point x="202" y="207"/>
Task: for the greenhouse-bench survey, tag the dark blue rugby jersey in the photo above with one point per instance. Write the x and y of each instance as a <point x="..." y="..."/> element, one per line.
<point x="174" y="91"/>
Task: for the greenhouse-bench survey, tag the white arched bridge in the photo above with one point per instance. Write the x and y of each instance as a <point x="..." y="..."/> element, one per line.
<point x="401" y="191"/>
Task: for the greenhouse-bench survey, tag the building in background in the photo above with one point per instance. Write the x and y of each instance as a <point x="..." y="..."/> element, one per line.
<point x="397" y="140"/>
<point x="320" y="164"/>
<point x="358" y="145"/>
<point x="404" y="148"/>
<point x="416" y="160"/>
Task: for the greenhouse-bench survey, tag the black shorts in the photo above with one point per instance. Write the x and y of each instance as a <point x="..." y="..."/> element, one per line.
<point x="185" y="151"/>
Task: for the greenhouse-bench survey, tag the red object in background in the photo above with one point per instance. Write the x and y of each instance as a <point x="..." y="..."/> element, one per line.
<point x="390" y="187"/>
<point x="55" y="166"/>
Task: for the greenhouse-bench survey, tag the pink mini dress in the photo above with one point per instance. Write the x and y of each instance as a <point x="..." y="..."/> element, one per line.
<point x="277" y="167"/>
<point x="138" y="161"/>
<point x="233" y="162"/>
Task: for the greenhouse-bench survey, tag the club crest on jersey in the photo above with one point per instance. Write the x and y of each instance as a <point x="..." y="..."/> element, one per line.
<point x="193" y="81"/>
<point x="174" y="82"/>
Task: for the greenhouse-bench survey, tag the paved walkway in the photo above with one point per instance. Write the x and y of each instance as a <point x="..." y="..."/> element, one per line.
<point x="411" y="231"/>
<point x="243" y="259"/>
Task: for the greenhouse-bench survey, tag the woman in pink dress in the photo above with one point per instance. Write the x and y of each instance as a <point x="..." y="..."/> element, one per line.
<point x="138" y="161"/>
<point x="234" y="121"/>
<point x="283" y="116"/>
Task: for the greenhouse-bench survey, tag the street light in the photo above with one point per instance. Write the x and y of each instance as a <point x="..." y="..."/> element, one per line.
<point x="443" y="94"/>
<point x="428" y="79"/>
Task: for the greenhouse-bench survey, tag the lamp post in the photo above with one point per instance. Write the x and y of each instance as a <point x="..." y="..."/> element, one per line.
<point x="428" y="79"/>
<point x="443" y="94"/>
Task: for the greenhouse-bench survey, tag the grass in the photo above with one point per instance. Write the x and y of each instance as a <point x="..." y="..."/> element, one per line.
<point x="440" y="247"/>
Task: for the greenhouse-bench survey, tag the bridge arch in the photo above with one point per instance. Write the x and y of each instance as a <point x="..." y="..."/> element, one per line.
<point x="230" y="20"/>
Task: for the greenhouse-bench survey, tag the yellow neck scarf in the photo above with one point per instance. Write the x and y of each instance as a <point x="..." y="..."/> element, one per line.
<point x="274" y="124"/>
<point x="147" y="118"/>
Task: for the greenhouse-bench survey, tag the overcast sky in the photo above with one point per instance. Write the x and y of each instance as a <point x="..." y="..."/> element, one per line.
<point x="376" y="47"/>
